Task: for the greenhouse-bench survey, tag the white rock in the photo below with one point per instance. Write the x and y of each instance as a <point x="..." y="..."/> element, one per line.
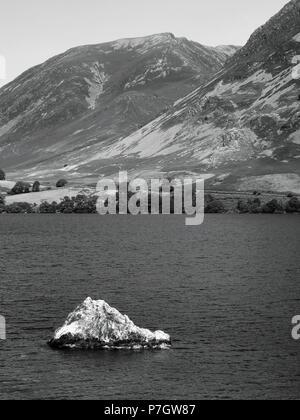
<point x="297" y="37"/>
<point x="296" y="72"/>
<point x="96" y="325"/>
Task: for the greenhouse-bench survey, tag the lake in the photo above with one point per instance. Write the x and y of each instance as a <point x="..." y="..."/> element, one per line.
<point x="226" y="291"/>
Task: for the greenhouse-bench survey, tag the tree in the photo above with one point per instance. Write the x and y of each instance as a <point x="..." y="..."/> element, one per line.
<point x="293" y="206"/>
<point x="2" y="204"/>
<point x="208" y="198"/>
<point x="46" y="208"/>
<point x="255" y="206"/>
<point x="25" y="208"/>
<point x="272" y="206"/>
<point x="243" y="206"/>
<point x="250" y="206"/>
<point x="67" y="205"/>
<point x="20" y="188"/>
<point x="84" y="204"/>
<point x="61" y="183"/>
<point x="36" y="187"/>
<point x="2" y="175"/>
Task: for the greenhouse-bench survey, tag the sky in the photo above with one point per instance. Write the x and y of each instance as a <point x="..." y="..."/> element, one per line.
<point x="31" y="31"/>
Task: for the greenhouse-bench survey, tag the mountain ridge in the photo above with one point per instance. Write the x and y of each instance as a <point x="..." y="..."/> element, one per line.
<point x="97" y="92"/>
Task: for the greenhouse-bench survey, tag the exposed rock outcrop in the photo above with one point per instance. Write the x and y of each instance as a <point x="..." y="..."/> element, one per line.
<point x="95" y="325"/>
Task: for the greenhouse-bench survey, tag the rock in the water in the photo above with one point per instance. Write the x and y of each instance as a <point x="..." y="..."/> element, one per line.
<point x="95" y="325"/>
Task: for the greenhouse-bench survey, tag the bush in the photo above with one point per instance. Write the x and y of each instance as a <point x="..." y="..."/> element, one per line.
<point x="2" y="175"/>
<point x="36" y="187"/>
<point x="61" y="183"/>
<point x="20" y="188"/>
<point x="24" y="208"/>
<point x="293" y="206"/>
<point x="215" y="206"/>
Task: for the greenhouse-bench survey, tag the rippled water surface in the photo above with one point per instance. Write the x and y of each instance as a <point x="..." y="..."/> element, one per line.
<point x="225" y="291"/>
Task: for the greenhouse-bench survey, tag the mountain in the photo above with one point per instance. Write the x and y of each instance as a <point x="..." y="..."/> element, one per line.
<point x="242" y="129"/>
<point x="59" y="114"/>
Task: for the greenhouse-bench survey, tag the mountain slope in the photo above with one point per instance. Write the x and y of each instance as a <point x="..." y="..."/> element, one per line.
<point x="243" y="127"/>
<point x="74" y="102"/>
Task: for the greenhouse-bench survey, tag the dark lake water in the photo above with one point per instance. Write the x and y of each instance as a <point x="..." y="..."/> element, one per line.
<point x="226" y="291"/>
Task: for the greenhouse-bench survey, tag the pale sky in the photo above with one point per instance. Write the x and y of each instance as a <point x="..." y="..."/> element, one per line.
<point x="32" y="31"/>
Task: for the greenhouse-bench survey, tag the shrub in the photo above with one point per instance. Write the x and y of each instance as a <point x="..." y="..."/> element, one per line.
<point x="293" y="206"/>
<point x="61" y="183"/>
<point x="20" y="188"/>
<point x="215" y="206"/>
<point x="2" y="175"/>
<point x="36" y="187"/>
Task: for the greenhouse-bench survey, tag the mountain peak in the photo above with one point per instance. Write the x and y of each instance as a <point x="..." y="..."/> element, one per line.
<point x="141" y="41"/>
<point x="270" y="42"/>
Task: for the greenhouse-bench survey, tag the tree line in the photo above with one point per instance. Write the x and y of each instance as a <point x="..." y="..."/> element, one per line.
<point x="82" y="204"/>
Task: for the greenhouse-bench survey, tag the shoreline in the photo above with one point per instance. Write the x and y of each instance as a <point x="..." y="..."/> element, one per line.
<point x="217" y="203"/>
<point x="80" y="199"/>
